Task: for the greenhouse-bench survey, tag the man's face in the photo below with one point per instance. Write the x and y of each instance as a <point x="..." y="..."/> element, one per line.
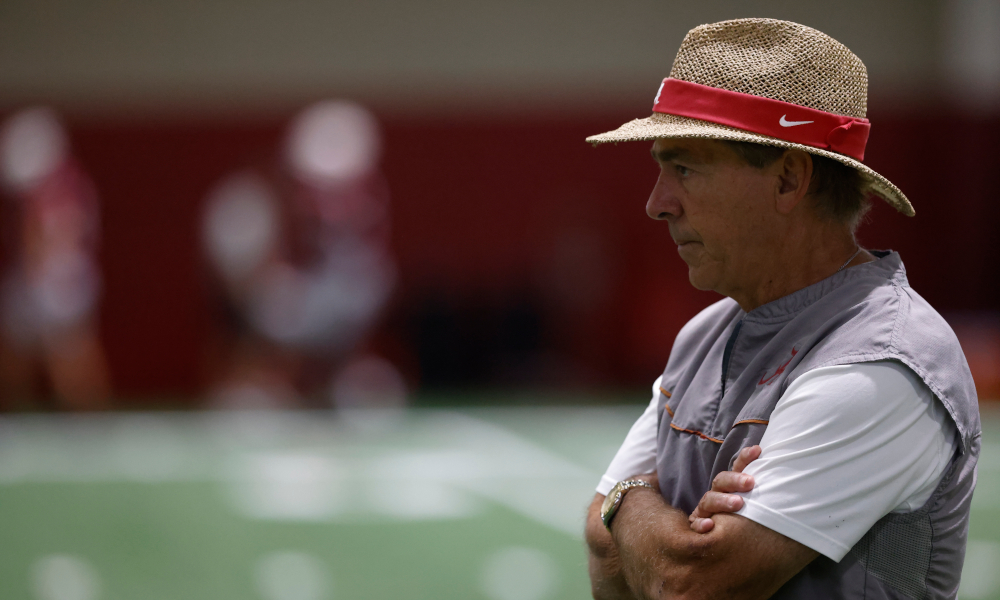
<point x="720" y="211"/>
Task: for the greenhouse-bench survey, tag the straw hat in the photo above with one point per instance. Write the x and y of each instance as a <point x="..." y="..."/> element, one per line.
<point x="768" y="82"/>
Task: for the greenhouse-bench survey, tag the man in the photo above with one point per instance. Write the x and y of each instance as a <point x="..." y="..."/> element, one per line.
<point x="815" y="434"/>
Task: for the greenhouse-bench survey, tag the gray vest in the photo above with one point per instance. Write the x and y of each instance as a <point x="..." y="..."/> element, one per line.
<point x="728" y="368"/>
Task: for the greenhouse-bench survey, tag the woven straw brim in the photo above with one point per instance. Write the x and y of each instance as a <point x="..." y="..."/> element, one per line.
<point x="661" y="125"/>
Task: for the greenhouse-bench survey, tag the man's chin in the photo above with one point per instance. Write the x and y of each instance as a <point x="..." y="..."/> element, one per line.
<point x="699" y="279"/>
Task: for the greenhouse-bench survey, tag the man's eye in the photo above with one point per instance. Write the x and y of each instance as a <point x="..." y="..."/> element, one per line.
<point x="682" y="170"/>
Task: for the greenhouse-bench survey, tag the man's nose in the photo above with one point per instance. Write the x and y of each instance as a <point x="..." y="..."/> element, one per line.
<point x="662" y="203"/>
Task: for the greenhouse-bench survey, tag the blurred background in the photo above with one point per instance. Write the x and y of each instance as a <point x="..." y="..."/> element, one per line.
<point x="313" y="300"/>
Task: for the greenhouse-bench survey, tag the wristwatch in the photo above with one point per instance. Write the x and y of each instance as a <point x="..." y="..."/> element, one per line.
<point x="614" y="498"/>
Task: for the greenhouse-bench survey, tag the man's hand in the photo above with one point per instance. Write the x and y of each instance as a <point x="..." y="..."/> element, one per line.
<point x="720" y="499"/>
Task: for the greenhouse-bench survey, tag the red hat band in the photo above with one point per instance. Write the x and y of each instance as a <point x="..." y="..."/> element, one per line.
<point x="766" y="116"/>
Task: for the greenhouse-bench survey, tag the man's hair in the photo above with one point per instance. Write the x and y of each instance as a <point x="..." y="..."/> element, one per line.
<point x="839" y="190"/>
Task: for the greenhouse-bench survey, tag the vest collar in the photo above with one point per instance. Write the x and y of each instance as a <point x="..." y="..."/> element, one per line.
<point x="887" y="266"/>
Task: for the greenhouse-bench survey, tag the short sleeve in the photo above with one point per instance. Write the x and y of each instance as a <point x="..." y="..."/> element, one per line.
<point x="845" y="446"/>
<point x="637" y="454"/>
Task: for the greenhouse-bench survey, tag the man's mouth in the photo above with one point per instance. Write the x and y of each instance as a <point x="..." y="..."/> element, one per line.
<point x="681" y="241"/>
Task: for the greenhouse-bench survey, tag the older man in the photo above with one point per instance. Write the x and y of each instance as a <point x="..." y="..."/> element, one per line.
<point x="815" y="434"/>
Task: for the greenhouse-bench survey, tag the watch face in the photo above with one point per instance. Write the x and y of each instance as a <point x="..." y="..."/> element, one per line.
<point x="610" y="501"/>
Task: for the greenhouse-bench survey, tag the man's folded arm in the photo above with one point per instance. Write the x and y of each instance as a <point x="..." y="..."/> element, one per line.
<point x="607" y="582"/>
<point x="637" y="454"/>
<point x="659" y="556"/>
<point x="607" y="572"/>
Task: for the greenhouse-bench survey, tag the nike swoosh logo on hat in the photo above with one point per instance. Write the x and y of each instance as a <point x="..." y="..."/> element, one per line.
<point x="658" y="92"/>
<point x="785" y="123"/>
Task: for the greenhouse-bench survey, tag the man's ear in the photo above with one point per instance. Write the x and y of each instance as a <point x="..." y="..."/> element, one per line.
<point x="795" y="169"/>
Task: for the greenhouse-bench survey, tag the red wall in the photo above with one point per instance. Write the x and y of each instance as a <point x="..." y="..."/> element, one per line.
<point x="478" y="208"/>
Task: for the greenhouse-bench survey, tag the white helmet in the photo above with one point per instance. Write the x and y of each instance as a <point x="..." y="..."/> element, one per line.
<point x="333" y="141"/>
<point x="33" y="144"/>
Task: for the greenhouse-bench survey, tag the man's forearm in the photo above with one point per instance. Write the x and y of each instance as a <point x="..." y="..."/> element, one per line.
<point x="657" y="550"/>
<point x="607" y="582"/>
<point x="661" y="557"/>
<point x="652" y="551"/>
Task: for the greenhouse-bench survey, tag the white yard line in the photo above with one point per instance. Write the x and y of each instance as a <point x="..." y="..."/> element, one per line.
<point x="424" y="465"/>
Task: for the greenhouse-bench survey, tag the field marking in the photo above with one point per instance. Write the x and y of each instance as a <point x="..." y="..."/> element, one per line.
<point x="519" y="573"/>
<point x="64" y="577"/>
<point x="478" y="461"/>
<point x="292" y="575"/>
<point x="295" y="465"/>
<point x="525" y="477"/>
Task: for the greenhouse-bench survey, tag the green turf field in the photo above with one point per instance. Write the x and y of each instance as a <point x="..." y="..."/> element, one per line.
<point x="436" y="504"/>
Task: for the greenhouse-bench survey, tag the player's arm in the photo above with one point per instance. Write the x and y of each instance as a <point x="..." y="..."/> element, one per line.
<point x="637" y="455"/>
<point x="660" y="556"/>
<point x="609" y="574"/>
<point x="607" y="580"/>
<point x="606" y="576"/>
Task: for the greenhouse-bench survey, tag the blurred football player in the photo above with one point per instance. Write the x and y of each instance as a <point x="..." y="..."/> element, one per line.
<point x="303" y="259"/>
<point x="51" y="282"/>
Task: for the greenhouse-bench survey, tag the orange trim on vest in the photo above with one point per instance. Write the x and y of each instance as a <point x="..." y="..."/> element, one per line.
<point x="758" y="421"/>
<point x="666" y="407"/>
<point x="697" y="433"/>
